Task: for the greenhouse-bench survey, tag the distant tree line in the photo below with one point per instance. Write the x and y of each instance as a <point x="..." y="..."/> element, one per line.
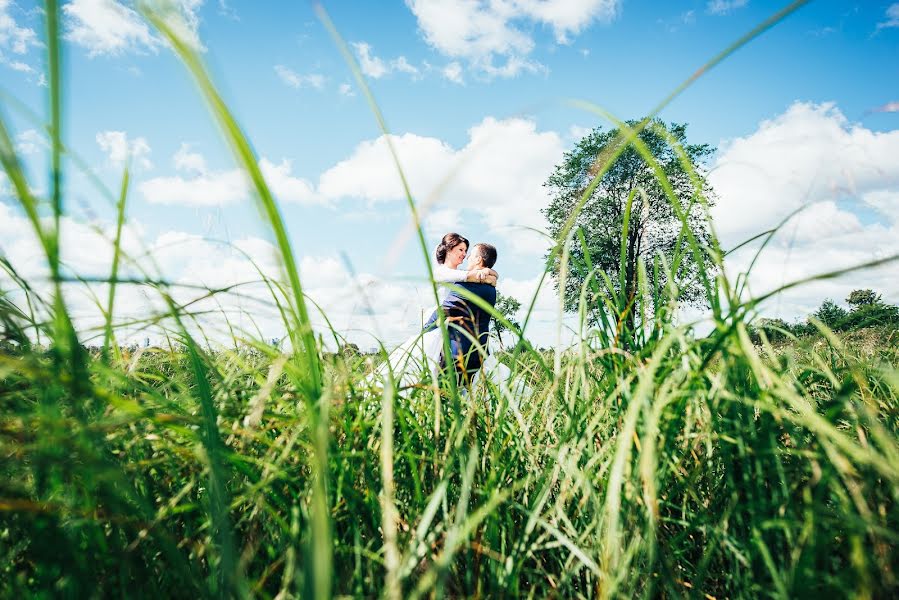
<point x="866" y="309"/>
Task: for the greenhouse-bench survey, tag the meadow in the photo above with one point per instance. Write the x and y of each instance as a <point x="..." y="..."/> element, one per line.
<point x="644" y="461"/>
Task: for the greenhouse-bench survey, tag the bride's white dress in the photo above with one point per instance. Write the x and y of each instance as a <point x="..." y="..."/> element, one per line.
<point x="421" y="352"/>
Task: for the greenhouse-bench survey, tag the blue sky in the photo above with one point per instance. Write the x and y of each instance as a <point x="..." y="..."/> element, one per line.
<point x="476" y="89"/>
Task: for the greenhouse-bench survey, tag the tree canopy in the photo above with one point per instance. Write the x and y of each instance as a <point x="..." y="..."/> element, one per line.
<point x="653" y="225"/>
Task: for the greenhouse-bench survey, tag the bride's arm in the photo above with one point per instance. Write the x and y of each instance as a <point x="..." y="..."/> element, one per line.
<point x="444" y="274"/>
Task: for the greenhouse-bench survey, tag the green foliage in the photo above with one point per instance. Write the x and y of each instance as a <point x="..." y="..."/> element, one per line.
<point x="871" y="315"/>
<point x="508" y="307"/>
<point x="830" y="314"/>
<point x="867" y="310"/>
<point x="860" y="298"/>
<point x="631" y="196"/>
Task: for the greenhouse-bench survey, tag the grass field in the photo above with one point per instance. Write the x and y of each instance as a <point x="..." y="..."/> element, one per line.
<point x="643" y="462"/>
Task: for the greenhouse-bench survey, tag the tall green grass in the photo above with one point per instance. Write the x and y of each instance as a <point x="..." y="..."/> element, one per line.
<point x="644" y="462"/>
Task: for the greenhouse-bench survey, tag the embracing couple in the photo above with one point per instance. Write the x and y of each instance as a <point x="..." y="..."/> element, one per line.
<point x="468" y="324"/>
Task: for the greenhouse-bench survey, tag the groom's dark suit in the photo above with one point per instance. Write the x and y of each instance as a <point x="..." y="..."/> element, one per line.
<point x="466" y="321"/>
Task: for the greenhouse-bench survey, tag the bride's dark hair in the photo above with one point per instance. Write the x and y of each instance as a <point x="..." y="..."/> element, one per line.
<point x="449" y="241"/>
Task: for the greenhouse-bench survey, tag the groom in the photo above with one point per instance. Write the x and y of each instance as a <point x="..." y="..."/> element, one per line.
<point x="466" y="320"/>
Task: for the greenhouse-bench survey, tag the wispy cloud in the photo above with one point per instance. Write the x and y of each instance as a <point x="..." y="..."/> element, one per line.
<point x="376" y="67"/>
<point x="12" y="36"/>
<point x="889" y="107"/>
<point x="227" y="11"/>
<point x="17" y="65"/>
<point x="345" y="89"/>
<point x="297" y="80"/>
<point x="30" y="141"/>
<point x="892" y="17"/>
<point x="686" y="18"/>
<point x="723" y="7"/>
<point x="453" y="72"/>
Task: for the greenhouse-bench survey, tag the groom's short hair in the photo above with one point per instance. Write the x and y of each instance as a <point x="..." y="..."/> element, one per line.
<point x="487" y="254"/>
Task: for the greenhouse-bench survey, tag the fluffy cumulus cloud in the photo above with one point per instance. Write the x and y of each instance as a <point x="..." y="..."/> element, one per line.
<point x="113" y="27"/>
<point x="119" y="150"/>
<point x="495" y="37"/>
<point x="844" y="182"/>
<point x="497" y="175"/>
<point x="285" y="186"/>
<point x="197" y="185"/>
<point x="86" y="249"/>
<point x="192" y="265"/>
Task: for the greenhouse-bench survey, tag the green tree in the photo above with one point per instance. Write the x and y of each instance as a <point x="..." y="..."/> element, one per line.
<point x="508" y="307"/>
<point x="654" y="227"/>
<point x="860" y="298"/>
<point x="831" y="314"/>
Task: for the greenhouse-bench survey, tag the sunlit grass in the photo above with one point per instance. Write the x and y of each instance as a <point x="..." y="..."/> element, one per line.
<point x="643" y="462"/>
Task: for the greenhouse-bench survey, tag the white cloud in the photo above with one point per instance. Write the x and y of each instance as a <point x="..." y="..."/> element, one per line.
<point x="498" y="175"/>
<point x="346" y="90"/>
<point x="403" y="66"/>
<point x="201" y="186"/>
<point x="369" y="173"/>
<point x="578" y="132"/>
<point x="811" y="153"/>
<point x="191" y="162"/>
<point x="482" y="31"/>
<point x="371" y="65"/>
<point x="844" y="178"/>
<point x="375" y="67"/>
<point x="285" y="186"/>
<point x="889" y="107"/>
<point x="439" y="221"/>
<point x="723" y="7"/>
<point x="453" y="72"/>
<point x="119" y="149"/>
<point x="107" y="27"/>
<point x="209" y="189"/>
<point x="17" y="65"/>
<point x="361" y="306"/>
<point x="12" y="36"/>
<point x="297" y="81"/>
<point x="112" y="28"/>
<point x="892" y="17"/>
